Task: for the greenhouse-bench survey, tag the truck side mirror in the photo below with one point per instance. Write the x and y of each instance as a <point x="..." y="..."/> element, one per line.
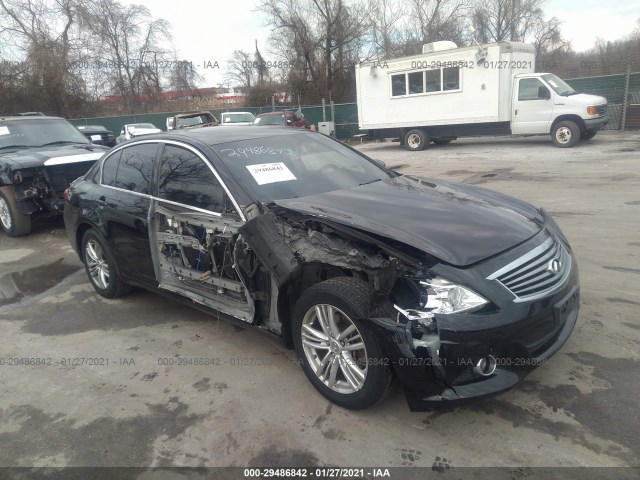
<point x="543" y="92"/>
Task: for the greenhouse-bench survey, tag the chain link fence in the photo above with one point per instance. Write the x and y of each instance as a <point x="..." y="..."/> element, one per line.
<point x="621" y="90"/>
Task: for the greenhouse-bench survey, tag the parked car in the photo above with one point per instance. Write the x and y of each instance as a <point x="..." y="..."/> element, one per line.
<point x="136" y="130"/>
<point x="39" y="157"/>
<point x="191" y="120"/>
<point x="459" y="291"/>
<point x="98" y="134"/>
<point x="236" y="118"/>
<point x="288" y="118"/>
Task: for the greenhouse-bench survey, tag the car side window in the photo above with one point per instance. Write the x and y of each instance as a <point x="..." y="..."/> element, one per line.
<point x="186" y="179"/>
<point x="130" y="168"/>
<point x="528" y="89"/>
<point x="110" y="169"/>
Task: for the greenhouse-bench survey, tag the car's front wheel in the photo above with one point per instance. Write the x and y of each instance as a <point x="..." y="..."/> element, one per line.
<point x="565" y="134"/>
<point x="101" y="266"/>
<point x="340" y="355"/>
<point x="13" y="222"/>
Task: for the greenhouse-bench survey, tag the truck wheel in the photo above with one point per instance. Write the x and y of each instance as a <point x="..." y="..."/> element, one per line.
<point x="588" y="134"/>
<point x="340" y="354"/>
<point x="565" y="134"/>
<point x="13" y="221"/>
<point x="415" y="140"/>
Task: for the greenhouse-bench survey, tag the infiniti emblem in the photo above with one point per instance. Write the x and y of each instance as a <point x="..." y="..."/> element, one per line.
<point x="554" y="266"/>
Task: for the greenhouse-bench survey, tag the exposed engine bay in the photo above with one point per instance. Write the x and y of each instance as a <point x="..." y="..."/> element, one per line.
<point x="247" y="270"/>
<point x="41" y="189"/>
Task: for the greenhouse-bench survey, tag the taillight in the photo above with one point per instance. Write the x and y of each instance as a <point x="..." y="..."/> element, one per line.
<point x="65" y="195"/>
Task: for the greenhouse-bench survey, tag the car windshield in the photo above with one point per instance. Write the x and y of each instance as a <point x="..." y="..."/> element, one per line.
<point x="142" y="125"/>
<point x="559" y="86"/>
<point x="238" y="117"/>
<point x="37" y="132"/>
<point x="270" y="120"/>
<point x="191" y="121"/>
<point x="289" y="166"/>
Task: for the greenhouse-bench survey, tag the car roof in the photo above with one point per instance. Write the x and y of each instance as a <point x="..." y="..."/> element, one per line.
<point x="219" y="135"/>
<point x="91" y="127"/>
<point x="28" y="118"/>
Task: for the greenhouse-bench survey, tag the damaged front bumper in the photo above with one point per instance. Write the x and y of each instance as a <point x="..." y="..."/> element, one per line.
<point x="442" y="365"/>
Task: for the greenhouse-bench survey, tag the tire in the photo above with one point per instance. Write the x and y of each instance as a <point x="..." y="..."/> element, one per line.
<point x="101" y="267"/>
<point x="565" y="134"/>
<point x="588" y="134"/>
<point x="13" y="222"/>
<point x="361" y="376"/>
<point x="415" y="140"/>
<point x="443" y="141"/>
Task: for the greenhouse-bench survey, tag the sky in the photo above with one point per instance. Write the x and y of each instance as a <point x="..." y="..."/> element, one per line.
<point x="208" y="31"/>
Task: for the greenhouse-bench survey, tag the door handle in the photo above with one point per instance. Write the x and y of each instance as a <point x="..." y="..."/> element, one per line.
<point x="102" y="201"/>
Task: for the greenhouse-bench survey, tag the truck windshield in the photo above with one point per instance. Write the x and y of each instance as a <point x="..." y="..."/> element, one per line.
<point x="38" y="132"/>
<point x="559" y="86"/>
<point x="289" y="166"/>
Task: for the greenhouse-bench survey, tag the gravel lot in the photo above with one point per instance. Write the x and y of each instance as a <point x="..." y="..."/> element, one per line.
<point x="254" y="406"/>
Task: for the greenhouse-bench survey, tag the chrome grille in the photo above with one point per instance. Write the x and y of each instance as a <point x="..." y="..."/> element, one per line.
<point x="601" y="109"/>
<point x="537" y="273"/>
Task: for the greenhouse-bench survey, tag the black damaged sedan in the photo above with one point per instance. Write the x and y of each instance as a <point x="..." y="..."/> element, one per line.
<point x="457" y="291"/>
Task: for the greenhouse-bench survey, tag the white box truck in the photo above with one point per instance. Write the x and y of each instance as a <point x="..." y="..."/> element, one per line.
<point x="449" y="92"/>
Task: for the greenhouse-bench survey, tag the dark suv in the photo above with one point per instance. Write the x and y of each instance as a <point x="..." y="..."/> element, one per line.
<point x="39" y="157"/>
<point x="98" y="134"/>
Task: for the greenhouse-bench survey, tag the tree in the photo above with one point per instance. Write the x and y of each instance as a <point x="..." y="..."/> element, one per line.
<point x="41" y="33"/>
<point x="434" y="20"/>
<point x="323" y="39"/>
<point x="129" y="44"/>
<point x="386" y="16"/>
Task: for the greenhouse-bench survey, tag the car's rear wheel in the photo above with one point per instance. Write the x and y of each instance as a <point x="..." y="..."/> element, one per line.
<point x="14" y="223"/>
<point x="101" y="266"/>
<point x="415" y="140"/>
<point x="340" y="355"/>
<point x="565" y="134"/>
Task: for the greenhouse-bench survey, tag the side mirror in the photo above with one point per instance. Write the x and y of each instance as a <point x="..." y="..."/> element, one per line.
<point x="543" y="92"/>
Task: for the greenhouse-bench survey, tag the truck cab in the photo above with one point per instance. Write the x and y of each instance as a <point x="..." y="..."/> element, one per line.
<point x="545" y="104"/>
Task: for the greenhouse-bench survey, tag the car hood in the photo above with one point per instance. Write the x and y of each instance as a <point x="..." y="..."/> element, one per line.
<point x="582" y="99"/>
<point x="49" y="156"/>
<point x="458" y="224"/>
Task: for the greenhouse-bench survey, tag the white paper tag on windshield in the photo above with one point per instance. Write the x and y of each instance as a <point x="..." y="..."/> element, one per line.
<point x="4" y="130"/>
<point x="270" y="173"/>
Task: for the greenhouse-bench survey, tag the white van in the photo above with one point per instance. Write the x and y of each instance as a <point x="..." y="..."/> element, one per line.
<point x="449" y="92"/>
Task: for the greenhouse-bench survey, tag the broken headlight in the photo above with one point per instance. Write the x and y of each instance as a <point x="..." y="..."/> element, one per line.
<point x="444" y="297"/>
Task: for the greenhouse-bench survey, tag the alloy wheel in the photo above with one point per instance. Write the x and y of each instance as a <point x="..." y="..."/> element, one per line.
<point x="334" y="349"/>
<point x="97" y="263"/>
<point x="5" y="215"/>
